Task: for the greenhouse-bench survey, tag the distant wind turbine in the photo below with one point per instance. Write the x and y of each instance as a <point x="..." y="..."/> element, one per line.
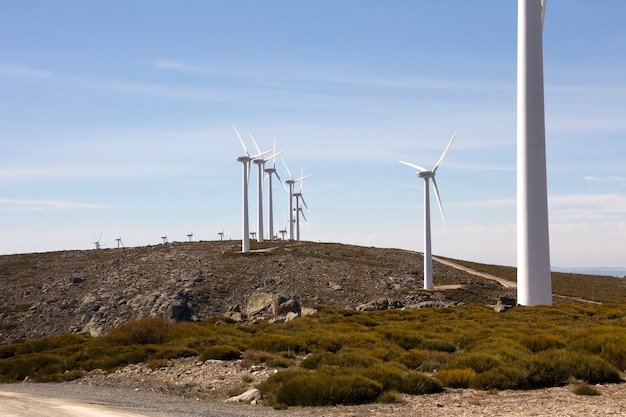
<point x="270" y="172"/>
<point x="260" y="162"/>
<point x="97" y="242"/>
<point x="427" y="175"/>
<point x="245" y="162"/>
<point x="299" y="198"/>
<point x="291" y="181"/>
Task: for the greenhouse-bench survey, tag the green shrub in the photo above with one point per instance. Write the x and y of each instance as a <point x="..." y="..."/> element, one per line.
<point x="586" y="389"/>
<point x="221" y="352"/>
<point x="456" y="378"/>
<point x="478" y="361"/>
<point x="389" y="397"/>
<point x="499" y="378"/>
<point x="320" y="388"/>
<point x="609" y="342"/>
<point x="553" y="368"/>
<point x="7" y="351"/>
<point x="387" y="375"/>
<point x="278" y="343"/>
<point x="36" y="366"/>
<point x="540" y="342"/>
<point x="175" y="353"/>
<point x="350" y="360"/>
<point x="416" y="383"/>
<point x="424" y="360"/>
<point x="144" y="331"/>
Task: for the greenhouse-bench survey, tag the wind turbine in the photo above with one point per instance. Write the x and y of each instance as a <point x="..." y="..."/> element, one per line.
<point x="260" y="162"/>
<point x="272" y="171"/>
<point x="119" y="242"/>
<point x="164" y="238"/>
<point x="534" y="282"/>
<point x="97" y="242"/>
<point x="245" y="162"/>
<point x="299" y="197"/>
<point x="291" y="181"/>
<point x="427" y="175"/>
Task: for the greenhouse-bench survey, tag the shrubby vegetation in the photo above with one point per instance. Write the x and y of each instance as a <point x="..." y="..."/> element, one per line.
<point x="350" y="357"/>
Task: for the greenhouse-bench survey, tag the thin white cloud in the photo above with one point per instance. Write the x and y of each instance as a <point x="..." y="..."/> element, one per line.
<point x="337" y="75"/>
<point x="612" y="179"/>
<point x="22" y="71"/>
<point x="46" y="205"/>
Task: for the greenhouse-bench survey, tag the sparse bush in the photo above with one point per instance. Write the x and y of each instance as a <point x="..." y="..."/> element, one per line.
<point x="387" y="375"/>
<point x="271" y="342"/>
<point x="499" y="378"/>
<point x="478" y="361"/>
<point x="145" y="331"/>
<point x="320" y="388"/>
<point x="540" y="342"/>
<point x="553" y="368"/>
<point x="456" y="378"/>
<point x="348" y="360"/>
<point x="416" y="383"/>
<point x="424" y="360"/>
<point x="390" y="397"/>
<point x="586" y="389"/>
<point x="221" y="352"/>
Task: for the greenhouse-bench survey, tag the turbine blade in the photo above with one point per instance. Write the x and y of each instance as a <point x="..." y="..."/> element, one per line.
<point x="301" y="178"/>
<point x="261" y="154"/>
<point x="417" y="167"/>
<point x="439" y="202"/>
<point x="241" y="140"/>
<point x="287" y="168"/>
<point x="274" y="156"/>
<point x="304" y="202"/>
<point x="255" y="144"/>
<point x="443" y="155"/>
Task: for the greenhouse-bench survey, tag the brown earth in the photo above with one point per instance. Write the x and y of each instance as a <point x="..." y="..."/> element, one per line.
<point x="91" y="291"/>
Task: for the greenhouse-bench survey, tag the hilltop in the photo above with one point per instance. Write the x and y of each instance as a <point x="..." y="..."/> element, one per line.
<point x="92" y="291"/>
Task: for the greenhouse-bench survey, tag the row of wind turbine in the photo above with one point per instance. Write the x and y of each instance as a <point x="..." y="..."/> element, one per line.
<point x="260" y="160"/>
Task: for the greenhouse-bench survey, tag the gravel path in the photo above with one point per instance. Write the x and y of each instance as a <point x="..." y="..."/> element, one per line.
<point x="553" y="402"/>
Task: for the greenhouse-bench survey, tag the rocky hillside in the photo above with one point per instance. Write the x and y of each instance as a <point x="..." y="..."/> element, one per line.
<point x="91" y="291"/>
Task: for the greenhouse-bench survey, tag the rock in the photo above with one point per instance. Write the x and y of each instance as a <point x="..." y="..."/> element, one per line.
<point x="306" y="311"/>
<point x="247" y="397"/>
<point x="504" y="303"/>
<point x="380" y="304"/>
<point x="258" y="302"/>
<point x="290" y="316"/>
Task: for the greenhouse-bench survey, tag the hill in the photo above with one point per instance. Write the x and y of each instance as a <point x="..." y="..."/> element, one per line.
<point x="92" y="291"/>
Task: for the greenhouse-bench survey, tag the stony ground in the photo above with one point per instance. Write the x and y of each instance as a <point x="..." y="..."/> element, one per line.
<point x="187" y="388"/>
<point x="91" y="291"/>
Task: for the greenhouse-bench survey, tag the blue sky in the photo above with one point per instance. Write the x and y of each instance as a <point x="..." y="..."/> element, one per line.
<point x="116" y="118"/>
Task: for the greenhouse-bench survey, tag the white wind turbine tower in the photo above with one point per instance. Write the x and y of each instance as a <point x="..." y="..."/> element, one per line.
<point x="291" y="181"/>
<point x="427" y="175"/>
<point x="260" y="162"/>
<point x="245" y="161"/>
<point x="97" y="242"/>
<point x="119" y="242"/>
<point x="164" y="238"/>
<point x="534" y="282"/>
<point x="272" y="171"/>
<point x="299" y="197"/>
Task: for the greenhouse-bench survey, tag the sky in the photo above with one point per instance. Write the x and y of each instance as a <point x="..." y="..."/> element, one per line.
<point x="116" y="120"/>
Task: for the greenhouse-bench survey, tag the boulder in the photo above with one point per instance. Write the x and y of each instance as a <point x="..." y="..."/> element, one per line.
<point x="250" y="396"/>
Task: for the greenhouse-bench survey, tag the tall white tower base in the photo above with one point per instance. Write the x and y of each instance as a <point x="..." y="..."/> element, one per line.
<point x="534" y="283"/>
